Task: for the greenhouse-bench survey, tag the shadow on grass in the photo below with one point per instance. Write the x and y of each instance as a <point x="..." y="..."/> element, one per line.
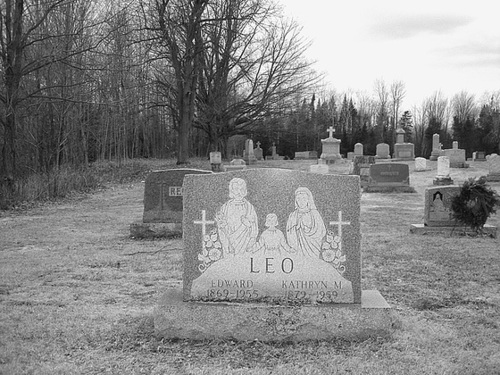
<point x="137" y="335"/>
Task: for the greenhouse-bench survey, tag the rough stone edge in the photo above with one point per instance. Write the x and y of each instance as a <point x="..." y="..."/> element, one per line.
<point x="457" y="231"/>
<point x="176" y="319"/>
<point x="155" y="230"/>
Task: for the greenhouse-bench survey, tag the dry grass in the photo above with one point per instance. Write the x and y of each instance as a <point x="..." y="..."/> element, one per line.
<point x="77" y="295"/>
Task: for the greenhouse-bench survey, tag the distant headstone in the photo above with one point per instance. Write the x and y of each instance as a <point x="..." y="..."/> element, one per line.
<point x="235" y="165"/>
<point x="304" y="155"/>
<point x="402" y="149"/>
<point x="258" y="152"/>
<point x="493" y="167"/>
<point x="358" y="149"/>
<point x="479" y="156"/>
<point x="249" y="156"/>
<point x="383" y="151"/>
<point x="436" y="148"/>
<point x="330" y="151"/>
<point x="387" y="177"/>
<point x="456" y="156"/>
<point x="421" y="164"/>
<point x="443" y="171"/>
<point x="163" y="204"/>
<point x="216" y="161"/>
<point x="350" y="156"/>
<point x="264" y="245"/>
<point x="361" y="167"/>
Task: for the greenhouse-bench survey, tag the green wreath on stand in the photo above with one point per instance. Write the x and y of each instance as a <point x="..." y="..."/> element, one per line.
<point x="475" y="203"/>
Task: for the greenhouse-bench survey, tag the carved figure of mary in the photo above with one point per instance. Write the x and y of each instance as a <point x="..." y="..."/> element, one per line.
<point x="237" y="220"/>
<point x="305" y="228"/>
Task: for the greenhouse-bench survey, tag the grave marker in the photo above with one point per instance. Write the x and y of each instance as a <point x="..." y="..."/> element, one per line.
<point x="272" y="254"/>
<point x="387" y="177"/>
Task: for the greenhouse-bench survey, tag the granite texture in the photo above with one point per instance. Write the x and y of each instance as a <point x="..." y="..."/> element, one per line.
<point x="176" y="319"/>
<point x="274" y="251"/>
<point x="163" y="195"/>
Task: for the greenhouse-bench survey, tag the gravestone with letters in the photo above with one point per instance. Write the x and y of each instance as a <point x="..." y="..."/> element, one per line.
<point x="389" y="177"/>
<point x="163" y="203"/>
<point x="361" y="167"/>
<point x="271" y="254"/>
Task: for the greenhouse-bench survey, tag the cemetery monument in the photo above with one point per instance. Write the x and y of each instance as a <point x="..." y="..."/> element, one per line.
<point x="272" y="255"/>
<point x="403" y="150"/>
<point x="330" y="148"/>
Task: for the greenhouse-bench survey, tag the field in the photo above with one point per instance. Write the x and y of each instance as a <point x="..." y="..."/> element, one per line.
<point x="77" y="294"/>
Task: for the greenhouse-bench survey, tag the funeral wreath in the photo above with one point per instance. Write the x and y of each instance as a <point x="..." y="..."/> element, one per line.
<point x="475" y="203"/>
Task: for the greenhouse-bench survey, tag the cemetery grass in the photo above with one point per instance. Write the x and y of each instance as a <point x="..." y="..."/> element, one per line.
<point x="77" y="295"/>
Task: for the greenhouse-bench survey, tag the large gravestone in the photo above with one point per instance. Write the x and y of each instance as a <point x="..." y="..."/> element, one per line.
<point x="272" y="254"/>
<point x="438" y="213"/>
<point x="403" y="150"/>
<point x="163" y="204"/>
<point x="443" y="171"/>
<point x="389" y="177"/>
<point x="456" y="156"/>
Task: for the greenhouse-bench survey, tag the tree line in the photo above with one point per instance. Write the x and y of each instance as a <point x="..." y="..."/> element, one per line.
<point x="82" y="81"/>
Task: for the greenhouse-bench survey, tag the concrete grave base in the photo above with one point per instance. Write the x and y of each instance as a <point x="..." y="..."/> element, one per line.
<point x="155" y="230"/>
<point x="441" y="181"/>
<point x="450" y="231"/>
<point x="176" y="319"/>
<point x="388" y="189"/>
<point x="459" y="165"/>
<point x="493" y="178"/>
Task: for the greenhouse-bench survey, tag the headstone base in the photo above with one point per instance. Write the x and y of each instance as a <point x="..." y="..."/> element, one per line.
<point x="489" y="230"/>
<point x="493" y="178"/>
<point x="388" y="189"/>
<point x="155" y="230"/>
<point x="176" y="319"/>
<point x="459" y="165"/>
<point x="229" y="168"/>
<point x="439" y="181"/>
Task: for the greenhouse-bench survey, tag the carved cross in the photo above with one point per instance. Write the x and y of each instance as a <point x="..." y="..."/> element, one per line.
<point x="203" y="223"/>
<point x="339" y="224"/>
<point x="330" y="131"/>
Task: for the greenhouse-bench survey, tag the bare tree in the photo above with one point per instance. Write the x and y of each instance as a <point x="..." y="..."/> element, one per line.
<point x="397" y="92"/>
<point x="464" y="106"/>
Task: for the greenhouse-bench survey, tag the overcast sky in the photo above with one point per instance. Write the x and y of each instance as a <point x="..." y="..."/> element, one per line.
<point x="430" y="45"/>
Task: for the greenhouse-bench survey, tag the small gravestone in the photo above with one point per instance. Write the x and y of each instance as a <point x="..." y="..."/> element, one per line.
<point x="436" y="148"/>
<point x="361" y="167"/>
<point x="438" y="213"/>
<point x="215" y="161"/>
<point x="163" y="200"/>
<point x="305" y="155"/>
<point x="493" y="168"/>
<point x="443" y="171"/>
<point x="383" y="151"/>
<point x="358" y="149"/>
<point x="389" y="177"/>
<point x="421" y="165"/>
<point x="479" y="156"/>
<point x="258" y="152"/>
<point x="330" y="151"/>
<point x="350" y="156"/>
<point x="235" y="165"/>
<point x="272" y="255"/>
<point x="249" y="156"/>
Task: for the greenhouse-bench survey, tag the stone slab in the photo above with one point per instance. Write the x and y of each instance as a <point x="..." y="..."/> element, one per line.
<point x="441" y="181"/>
<point x="177" y="319"/>
<point x="272" y="234"/>
<point x="451" y="231"/>
<point x="155" y="230"/>
<point x="163" y="195"/>
<point x="493" y="178"/>
<point x="437" y="206"/>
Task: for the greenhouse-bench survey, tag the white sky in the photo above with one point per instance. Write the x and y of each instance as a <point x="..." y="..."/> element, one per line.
<point x="430" y="45"/>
